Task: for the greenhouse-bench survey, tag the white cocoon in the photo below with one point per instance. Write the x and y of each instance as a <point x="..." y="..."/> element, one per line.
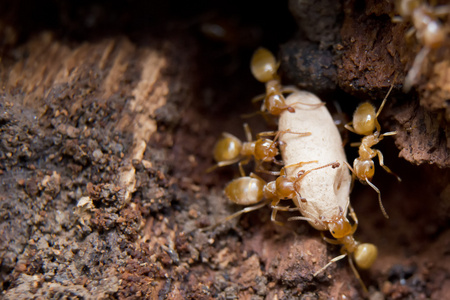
<point x="326" y="190"/>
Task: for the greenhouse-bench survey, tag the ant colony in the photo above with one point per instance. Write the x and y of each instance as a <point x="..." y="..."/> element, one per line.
<point x="313" y="172"/>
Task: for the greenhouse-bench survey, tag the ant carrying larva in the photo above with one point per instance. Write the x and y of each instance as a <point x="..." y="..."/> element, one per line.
<point x="253" y="190"/>
<point x="365" y="122"/>
<point x="230" y="150"/>
<point x="323" y="197"/>
<point x="327" y="190"/>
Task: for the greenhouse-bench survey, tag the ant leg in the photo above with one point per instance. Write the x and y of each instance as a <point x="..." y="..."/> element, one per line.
<point x="333" y="165"/>
<point x="355" y="144"/>
<point x="253" y="175"/>
<point x="379" y="198"/>
<point x="355" y="271"/>
<point x="275" y="209"/>
<point x="354" y="217"/>
<point x="414" y="72"/>
<point x="349" y="127"/>
<point x="353" y="176"/>
<point x="328" y="240"/>
<point x="277" y="133"/>
<point x="388" y="134"/>
<point x="236" y="214"/>
<point x="382" y="103"/>
<point x="246" y="116"/>
<point x="381" y="160"/>
<point x="300" y="219"/>
<point x="261" y="170"/>
<point x="278" y="162"/>
<point x="292" y="89"/>
<point x="337" y="258"/>
<point x="300" y="164"/>
<point x="248" y="132"/>
<point x="241" y="163"/>
<point x="222" y="164"/>
<point x="289" y="89"/>
<point x="258" y="98"/>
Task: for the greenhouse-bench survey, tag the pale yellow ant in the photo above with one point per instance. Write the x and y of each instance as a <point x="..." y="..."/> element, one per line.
<point x="251" y="190"/>
<point x="264" y="68"/>
<point x="229" y="149"/>
<point x="427" y="27"/>
<point x="365" y="122"/>
<point x="364" y="254"/>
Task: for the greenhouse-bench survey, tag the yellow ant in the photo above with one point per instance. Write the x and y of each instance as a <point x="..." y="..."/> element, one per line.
<point x="229" y="149"/>
<point x="365" y="121"/>
<point x="264" y="68"/>
<point x="364" y="254"/>
<point x="427" y="27"/>
<point x="251" y="190"/>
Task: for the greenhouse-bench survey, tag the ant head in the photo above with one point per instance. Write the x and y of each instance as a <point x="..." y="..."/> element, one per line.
<point x="364" y="119"/>
<point x="340" y="226"/>
<point x="227" y="148"/>
<point x="365" y="255"/>
<point x="263" y="65"/>
<point x="285" y="187"/>
<point x="364" y="168"/>
<point x="265" y="149"/>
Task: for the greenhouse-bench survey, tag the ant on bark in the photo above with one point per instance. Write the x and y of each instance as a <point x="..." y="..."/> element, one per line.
<point x="264" y="68"/>
<point x="365" y="122"/>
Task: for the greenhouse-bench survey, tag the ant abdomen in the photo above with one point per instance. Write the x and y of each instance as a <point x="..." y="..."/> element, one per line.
<point x="227" y="148"/>
<point x="263" y="65"/>
<point x="364" y="119"/>
<point x="365" y="255"/>
<point x="246" y="190"/>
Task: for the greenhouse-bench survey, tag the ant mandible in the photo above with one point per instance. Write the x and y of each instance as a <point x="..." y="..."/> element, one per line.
<point x="229" y="149"/>
<point x="365" y="121"/>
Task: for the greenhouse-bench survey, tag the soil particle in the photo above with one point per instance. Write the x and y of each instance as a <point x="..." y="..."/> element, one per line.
<point x="105" y="139"/>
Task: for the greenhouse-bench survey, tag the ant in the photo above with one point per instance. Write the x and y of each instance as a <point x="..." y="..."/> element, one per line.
<point x="264" y="68"/>
<point x="365" y="121"/>
<point x="364" y="254"/>
<point x="427" y="27"/>
<point x="251" y="190"/>
<point x="229" y="149"/>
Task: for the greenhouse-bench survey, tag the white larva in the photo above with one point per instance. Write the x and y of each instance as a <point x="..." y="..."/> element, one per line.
<point x="326" y="190"/>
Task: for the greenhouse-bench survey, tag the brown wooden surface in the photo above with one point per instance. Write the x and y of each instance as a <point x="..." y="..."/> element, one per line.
<point x="106" y="131"/>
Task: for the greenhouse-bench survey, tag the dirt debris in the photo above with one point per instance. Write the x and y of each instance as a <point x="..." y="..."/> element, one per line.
<point x="105" y="136"/>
